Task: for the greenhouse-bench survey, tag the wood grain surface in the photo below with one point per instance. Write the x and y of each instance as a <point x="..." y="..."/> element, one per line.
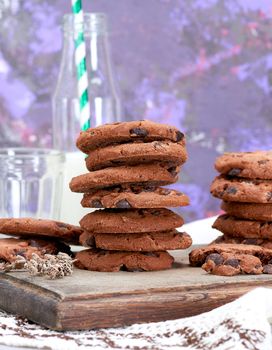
<point x="96" y="299"/>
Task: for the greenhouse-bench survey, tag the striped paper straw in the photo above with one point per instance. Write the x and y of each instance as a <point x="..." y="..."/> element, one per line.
<point x="80" y="58"/>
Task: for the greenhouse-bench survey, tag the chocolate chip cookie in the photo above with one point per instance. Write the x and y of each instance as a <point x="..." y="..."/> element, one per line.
<point x="252" y="211"/>
<point x="145" y="242"/>
<point x="129" y="196"/>
<point x="130" y="220"/>
<point x="109" y="261"/>
<point x="10" y="248"/>
<point x="140" y="130"/>
<point x="253" y="165"/>
<point x="233" y="189"/>
<point x="234" y="227"/>
<point x="26" y="227"/>
<point x="265" y="243"/>
<point x="232" y="259"/>
<point x="136" y="153"/>
<point x="229" y="264"/>
<point x="147" y="174"/>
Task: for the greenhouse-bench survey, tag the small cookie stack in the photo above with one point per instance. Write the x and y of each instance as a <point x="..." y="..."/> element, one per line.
<point x="35" y="236"/>
<point x="245" y="186"/>
<point x="127" y="163"/>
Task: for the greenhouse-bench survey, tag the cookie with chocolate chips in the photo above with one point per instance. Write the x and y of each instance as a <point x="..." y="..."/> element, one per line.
<point x="251" y="211"/>
<point x="130" y="220"/>
<point x="145" y="242"/>
<point x="253" y="165"/>
<point x="137" y="153"/>
<point x="29" y="227"/>
<point x="110" y="261"/>
<point x="126" y="197"/>
<point x="231" y="259"/>
<point x="144" y="174"/>
<point x="234" y="227"/>
<point x="229" y="264"/>
<point x="234" y="189"/>
<point x="140" y="130"/>
<point x="11" y="248"/>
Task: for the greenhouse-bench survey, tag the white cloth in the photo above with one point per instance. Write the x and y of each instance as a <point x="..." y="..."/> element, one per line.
<point x="240" y="325"/>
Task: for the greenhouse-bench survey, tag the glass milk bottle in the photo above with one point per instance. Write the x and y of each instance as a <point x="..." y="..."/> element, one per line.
<point x="103" y="96"/>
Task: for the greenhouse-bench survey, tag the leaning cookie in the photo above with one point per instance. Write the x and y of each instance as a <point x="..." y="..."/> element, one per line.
<point x="137" y="153"/>
<point x="251" y="211"/>
<point x="137" y="242"/>
<point x="109" y="261"/>
<point x="233" y="227"/>
<point x="229" y="264"/>
<point x="130" y="220"/>
<point x="253" y="165"/>
<point x="134" y="197"/>
<point x="221" y="254"/>
<point x="29" y="227"/>
<point x="233" y="189"/>
<point x="140" y="130"/>
<point x="11" y="248"/>
<point x="144" y="174"/>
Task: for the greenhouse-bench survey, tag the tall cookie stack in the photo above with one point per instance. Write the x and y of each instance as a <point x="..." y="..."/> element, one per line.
<point x="127" y="163"/>
<point x="245" y="186"/>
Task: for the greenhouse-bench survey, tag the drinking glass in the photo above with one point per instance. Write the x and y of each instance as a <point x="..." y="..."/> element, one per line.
<point x="31" y="182"/>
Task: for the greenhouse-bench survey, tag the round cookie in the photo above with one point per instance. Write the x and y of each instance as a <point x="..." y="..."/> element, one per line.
<point x="109" y="261"/>
<point x="134" y="197"/>
<point x="140" y="130"/>
<point x="150" y="174"/>
<point x="251" y="211"/>
<point x="253" y="165"/>
<point x="28" y="227"/>
<point x="239" y="240"/>
<point x="136" y="153"/>
<point x="130" y="220"/>
<point x="136" y="242"/>
<point x="233" y="227"/>
<point x="242" y="190"/>
<point x="197" y="257"/>
<point x="10" y="248"/>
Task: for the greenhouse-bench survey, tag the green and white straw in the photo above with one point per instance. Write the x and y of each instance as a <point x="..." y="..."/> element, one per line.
<point x="80" y="58"/>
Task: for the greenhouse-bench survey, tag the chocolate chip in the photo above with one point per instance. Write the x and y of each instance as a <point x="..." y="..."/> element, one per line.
<point x="138" y="132"/>
<point x="156" y="213"/>
<point x="172" y="170"/>
<point x="62" y="225"/>
<point x="123" y="204"/>
<point x="232" y="262"/>
<point x="261" y="162"/>
<point x="153" y="254"/>
<point x="179" y="136"/>
<point x="216" y="258"/>
<point x="253" y="241"/>
<point x="90" y="241"/>
<point x="21" y="252"/>
<point x="34" y="243"/>
<point x="267" y="269"/>
<point x="231" y="190"/>
<point x="150" y="188"/>
<point x="234" y="172"/>
<point x="269" y="196"/>
<point x="96" y="203"/>
<point x="166" y="191"/>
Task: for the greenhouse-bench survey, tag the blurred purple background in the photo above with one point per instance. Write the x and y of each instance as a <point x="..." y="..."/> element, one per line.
<point x="204" y="66"/>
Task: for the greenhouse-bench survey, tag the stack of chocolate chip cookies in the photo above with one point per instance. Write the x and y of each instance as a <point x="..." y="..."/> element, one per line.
<point x="128" y="163"/>
<point x="245" y="186"/>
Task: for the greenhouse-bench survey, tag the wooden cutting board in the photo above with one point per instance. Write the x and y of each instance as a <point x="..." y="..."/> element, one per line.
<point x="95" y="299"/>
